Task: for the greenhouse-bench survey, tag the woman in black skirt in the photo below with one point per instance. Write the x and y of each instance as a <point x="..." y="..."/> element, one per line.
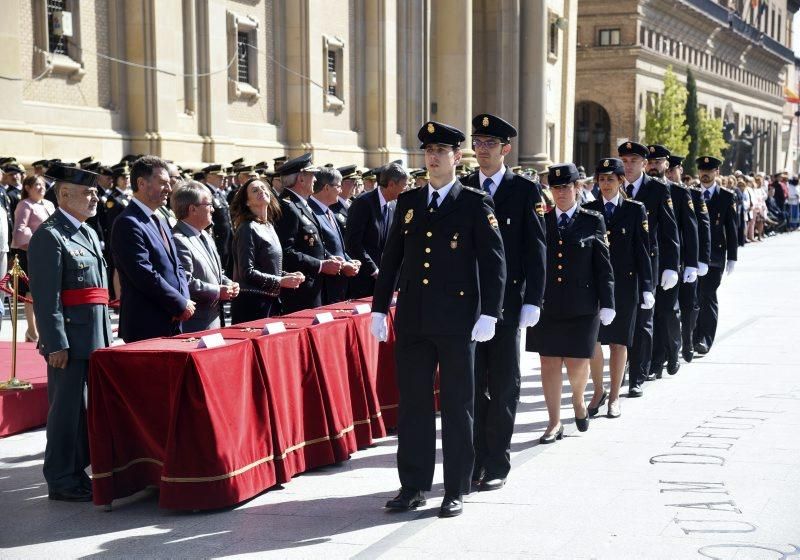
<point x="626" y="224"/>
<point x="579" y="295"/>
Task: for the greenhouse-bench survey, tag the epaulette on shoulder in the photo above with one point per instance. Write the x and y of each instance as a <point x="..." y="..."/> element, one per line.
<point x="634" y="201"/>
<point x="727" y="190"/>
<point x="407" y="193"/>
<point x="474" y="191"/>
<point x="695" y="188"/>
<point x="594" y="213"/>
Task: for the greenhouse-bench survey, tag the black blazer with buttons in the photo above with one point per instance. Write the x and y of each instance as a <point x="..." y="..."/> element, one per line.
<point x="364" y="240"/>
<point x="448" y="265"/>
<point x="629" y="245"/>
<point x="683" y="206"/>
<point x="664" y="237"/>
<point x="703" y="225"/>
<point x="724" y="224"/>
<point x="580" y="279"/>
<point x="520" y="214"/>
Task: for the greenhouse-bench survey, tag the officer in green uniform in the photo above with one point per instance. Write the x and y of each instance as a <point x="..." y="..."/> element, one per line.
<point x="69" y="286"/>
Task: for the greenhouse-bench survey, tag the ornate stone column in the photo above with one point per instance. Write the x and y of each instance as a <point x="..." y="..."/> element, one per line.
<point x="532" y="126"/>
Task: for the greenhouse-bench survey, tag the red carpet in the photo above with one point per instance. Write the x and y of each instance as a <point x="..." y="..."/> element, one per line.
<point x="23" y="410"/>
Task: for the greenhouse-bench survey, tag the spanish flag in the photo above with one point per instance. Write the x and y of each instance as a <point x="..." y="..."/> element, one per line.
<point x="790" y="96"/>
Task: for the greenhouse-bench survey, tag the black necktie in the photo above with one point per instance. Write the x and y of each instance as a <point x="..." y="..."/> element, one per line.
<point x="563" y="221"/>
<point x="629" y="190"/>
<point x="385" y="220"/>
<point x="609" y="210"/>
<point x="707" y="195"/>
<point x="487" y="185"/>
<point x="434" y="204"/>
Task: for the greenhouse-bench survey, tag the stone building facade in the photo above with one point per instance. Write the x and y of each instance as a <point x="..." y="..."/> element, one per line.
<point x="213" y="80"/>
<point x="738" y="50"/>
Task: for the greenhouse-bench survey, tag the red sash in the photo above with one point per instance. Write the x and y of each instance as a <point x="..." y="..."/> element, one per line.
<point x="83" y="296"/>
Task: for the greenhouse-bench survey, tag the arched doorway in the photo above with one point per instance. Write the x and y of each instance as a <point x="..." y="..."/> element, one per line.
<point x="592" y="128"/>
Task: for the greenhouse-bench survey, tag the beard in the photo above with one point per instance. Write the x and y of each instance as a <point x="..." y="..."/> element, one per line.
<point x="655" y="173"/>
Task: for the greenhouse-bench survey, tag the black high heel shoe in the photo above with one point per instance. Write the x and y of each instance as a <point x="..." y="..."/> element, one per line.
<point x="559" y="434"/>
<point x="582" y="423"/>
<point x="595" y="410"/>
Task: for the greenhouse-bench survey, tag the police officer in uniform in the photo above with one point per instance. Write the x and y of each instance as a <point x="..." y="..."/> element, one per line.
<point x="724" y="249"/>
<point x="69" y="286"/>
<point x="445" y="256"/>
<point x="664" y="252"/>
<point x="222" y="228"/>
<point x="667" y="320"/>
<point x="117" y="199"/>
<point x="687" y="297"/>
<point x="520" y="213"/>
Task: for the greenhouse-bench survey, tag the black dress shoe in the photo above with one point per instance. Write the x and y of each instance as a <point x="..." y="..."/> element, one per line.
<point x="78" y="494"/>
<point x="451" y="506"/>
<point x="688" y="354"/>
<point x="478" y="474"/>
<point x="635" y="391"/>
<point x="595" y="410"/>
<point x="582" y="423"/>
<point x="673" y="367"/>
<point x="408" y="498"/>
<point x="491" y="482"/>
<point x="701" y="348"/>
<point x="652" y="376"/>
<point x="551" y="438"/>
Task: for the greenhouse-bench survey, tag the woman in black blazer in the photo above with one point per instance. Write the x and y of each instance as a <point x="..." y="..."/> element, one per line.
<point x="579" y="295"/>
<point x="629" y="244"/>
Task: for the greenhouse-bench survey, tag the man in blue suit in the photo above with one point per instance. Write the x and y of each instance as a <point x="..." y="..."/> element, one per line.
<point x="326" y="190"/>
<point x="155" y="295"/>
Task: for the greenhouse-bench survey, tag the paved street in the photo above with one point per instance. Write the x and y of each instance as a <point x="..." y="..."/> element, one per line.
<point x="706" y="465"/>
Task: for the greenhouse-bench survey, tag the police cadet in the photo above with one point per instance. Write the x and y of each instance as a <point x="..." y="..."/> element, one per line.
<point x="445" y="256"/>
<point x="664" y="252"/>
<point x="688" y="291"/>
<point x="70" y="287"/>
<point x="222" y="228"/>
<point x="520" y="214"/>
<point x="724" y="247"/>
<point x="666" y="319"/>
<point x="629" y="246"/>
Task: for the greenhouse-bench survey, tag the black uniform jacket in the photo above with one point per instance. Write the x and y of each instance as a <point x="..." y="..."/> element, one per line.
<point x="579" y="274"/>
<point x="703" y="225"/>
<point x="683" y="206"/>
<point x="629" y="245"/>
<point x="520" y="213"/>
<point x="664" y="237"/>
<point x="364" y="238"/>
<point x="722" y="214"/>
<point x="448" y="265"/>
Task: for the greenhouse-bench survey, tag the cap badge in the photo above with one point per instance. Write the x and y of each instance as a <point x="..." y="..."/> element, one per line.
<point x="628" y="145"/>
<point x="652" y="149"/>
<point x="705" y="160"/>
<point x="605" y="163"/>
<point x="485" y="122"/>
<point x="558" y="173"/>
<point x="431" y="128"/>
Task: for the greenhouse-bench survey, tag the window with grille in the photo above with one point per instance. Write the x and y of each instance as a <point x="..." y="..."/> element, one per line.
<point x="56" y="43"/>
<point x="243" y="57"/>
<point x="331" y="72"/>
<point x="553" y="39"/>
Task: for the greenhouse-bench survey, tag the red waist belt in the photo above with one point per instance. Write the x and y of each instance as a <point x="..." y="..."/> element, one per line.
<point x="83" y="296"/>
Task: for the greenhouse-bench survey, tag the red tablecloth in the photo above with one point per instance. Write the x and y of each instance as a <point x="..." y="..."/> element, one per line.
<point x="23" y="410"/>
<point x="194" y="422"/>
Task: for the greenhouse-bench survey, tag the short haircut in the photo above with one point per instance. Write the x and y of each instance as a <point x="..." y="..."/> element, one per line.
<point x="393" y="172"/>
<point x="144" y="167"/>
<point x="289" y="180"/>
<point x="186" y="195"/>
<point x="326" y="176"/>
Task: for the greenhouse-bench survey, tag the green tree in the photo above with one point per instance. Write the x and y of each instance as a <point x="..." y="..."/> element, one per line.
<point x="666" y="121"/>
<point x="692" y="123"/>
<point x="710" y="141"/>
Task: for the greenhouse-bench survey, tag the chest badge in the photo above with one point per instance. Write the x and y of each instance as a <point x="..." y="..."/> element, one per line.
<point x="493" y="221"/>
<point x="454" y="241"/>
<point x="409" y="216"/>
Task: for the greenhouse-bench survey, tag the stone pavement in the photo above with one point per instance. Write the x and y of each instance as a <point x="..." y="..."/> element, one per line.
<point x="706" y="465"/>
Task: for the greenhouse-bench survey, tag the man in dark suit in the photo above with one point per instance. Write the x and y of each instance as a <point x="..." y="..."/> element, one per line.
<point x="664" y="253"/>
<point x="445" y="256"/>
<point x="208" y="285"/>
<point x="368" y="221"/>
<point x="155" y="295"/>
<point x="223" y="228"/>
<point x="724" y="250"/>
<point x="687" y="297"/>
<point x="519" y="211"/>
<point x="70" y="288"/>
<point x="299" y="231"/>
<point x="667" y="319"/>
<point x="327" y="186"/>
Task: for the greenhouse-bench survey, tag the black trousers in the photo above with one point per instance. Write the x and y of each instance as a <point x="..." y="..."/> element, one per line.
<point x="687" y="298"/>
<point x="66" y="455"/>
<point x="417" y="358"/>
<point x="497" y="383"/>
<point x="640" y="353"/>
<point x="666" y="328"/>
<point x="708" y="313"/>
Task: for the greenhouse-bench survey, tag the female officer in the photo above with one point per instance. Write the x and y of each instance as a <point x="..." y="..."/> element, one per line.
<point x="579" y="281"/>
<point x="629" y="244"/>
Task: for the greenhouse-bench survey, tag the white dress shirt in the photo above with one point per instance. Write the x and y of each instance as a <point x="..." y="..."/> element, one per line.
<point x="442" y="192"/>
<point x="637" y="184"/>
<point x="496" y="179"/>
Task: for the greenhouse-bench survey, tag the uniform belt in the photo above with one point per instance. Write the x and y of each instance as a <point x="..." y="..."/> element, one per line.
<point x="83" y="296"/>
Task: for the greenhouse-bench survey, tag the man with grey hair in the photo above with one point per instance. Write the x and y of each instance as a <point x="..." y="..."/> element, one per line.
<point x="208" y="285"/>
<point x="69" y="286"/>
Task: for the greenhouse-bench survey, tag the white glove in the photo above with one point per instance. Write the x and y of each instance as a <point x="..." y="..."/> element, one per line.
<point x="483" y="329"/>
<point x="729" y="267"/>
<point x="702" y="269"/>
<point x="689" y="275"/>
<point x="379" y="328"/>
<point x="529" y="315"/>
<point x="607" y="315"/>
<point x="649" y="300"/>
<point x="669" y="279"/>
